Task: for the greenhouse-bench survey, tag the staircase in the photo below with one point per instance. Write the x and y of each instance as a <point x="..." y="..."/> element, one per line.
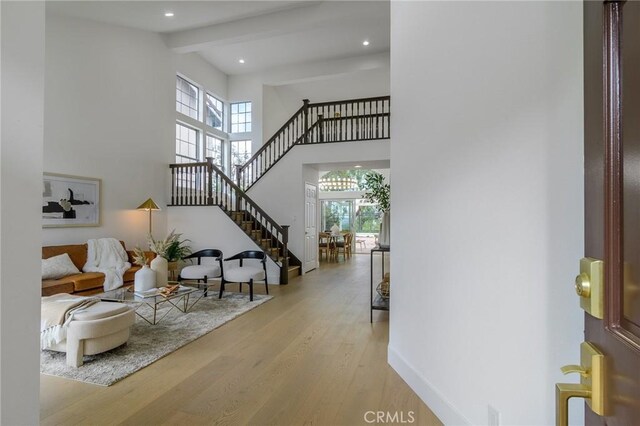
<point x="267" y="241"/>
<point x="325" y="122"/>
<point x="204" y="184"/>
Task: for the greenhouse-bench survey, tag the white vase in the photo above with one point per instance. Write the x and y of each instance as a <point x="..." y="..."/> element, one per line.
<point x="144" y="279"/>
<point x="384" y="239"/>
<point x="161" y="267"/>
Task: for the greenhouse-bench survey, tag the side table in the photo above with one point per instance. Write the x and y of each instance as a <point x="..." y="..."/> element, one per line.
<point x="378" y="302"/>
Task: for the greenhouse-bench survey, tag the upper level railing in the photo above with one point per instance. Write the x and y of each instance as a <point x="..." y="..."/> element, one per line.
<point x="204" y="184"/>
<point x="339" y="121"/>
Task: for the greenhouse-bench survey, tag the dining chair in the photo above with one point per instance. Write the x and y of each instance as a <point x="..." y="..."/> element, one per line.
<point x="326" y="245"/>
<point x="345" y="246"/>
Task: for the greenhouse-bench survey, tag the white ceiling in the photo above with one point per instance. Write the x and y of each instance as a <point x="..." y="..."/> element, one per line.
<point x="149" y="15"/>
<point x="266" y="34"/>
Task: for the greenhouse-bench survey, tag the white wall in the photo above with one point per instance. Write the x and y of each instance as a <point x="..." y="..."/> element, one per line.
<point x="109" y="114"/>
<point x="22" y="92"/>
<point x="281" y="191"/>
<point x="487" y="205"/>
<point x="210" y="227"/>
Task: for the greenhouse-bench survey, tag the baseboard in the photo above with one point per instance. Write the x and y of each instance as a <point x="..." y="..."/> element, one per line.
<point x="442" y="408"/>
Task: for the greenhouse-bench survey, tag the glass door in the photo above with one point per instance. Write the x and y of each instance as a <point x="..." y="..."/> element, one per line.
<point x="340" y="212"/>
<point x="355" y="215"/>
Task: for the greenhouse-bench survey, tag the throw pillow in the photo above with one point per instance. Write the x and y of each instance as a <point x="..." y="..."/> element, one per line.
<point x="57" y="267"/>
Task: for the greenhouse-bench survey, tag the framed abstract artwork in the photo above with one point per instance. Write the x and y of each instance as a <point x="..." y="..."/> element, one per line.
<point x="70" y="201"/>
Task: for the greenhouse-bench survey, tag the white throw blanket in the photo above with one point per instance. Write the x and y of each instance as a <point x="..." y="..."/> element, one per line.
<point x="107" y="255"/>
<point x="56" y="312"/>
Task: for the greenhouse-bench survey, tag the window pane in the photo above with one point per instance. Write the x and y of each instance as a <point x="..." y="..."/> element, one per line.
<point x="187" y="98"/>
<point x="241" y="117"/>
<point x="240" y="152"/>
<point x="214" y="150"/>
<point x="186" y="148"/>
<point x="215" y="112"/>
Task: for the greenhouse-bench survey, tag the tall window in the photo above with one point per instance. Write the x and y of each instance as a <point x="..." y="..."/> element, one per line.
<point x="241" y="117"/>
<point x="186" y="144"/>
<point x="200" y="125"/>
<point x="187" y="96"/>
<point x="215" y="112"/>
<point x="240" y="152"/>
<point x="213" y="148"/>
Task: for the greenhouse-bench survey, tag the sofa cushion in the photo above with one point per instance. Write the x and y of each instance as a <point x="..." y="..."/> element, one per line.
<point x="87" y="281"/>
<point x="57" y="267"/>
<point x="51" y="287"/>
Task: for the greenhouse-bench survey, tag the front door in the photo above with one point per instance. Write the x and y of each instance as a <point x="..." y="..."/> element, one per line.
<point x="310" y="227"/>
<point x="612" y="198"/>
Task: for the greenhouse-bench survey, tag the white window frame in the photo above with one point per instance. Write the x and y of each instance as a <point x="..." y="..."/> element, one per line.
<point x="202" y="127"/>
<point x="249" y="142"/>
<point x="244" y="114"/>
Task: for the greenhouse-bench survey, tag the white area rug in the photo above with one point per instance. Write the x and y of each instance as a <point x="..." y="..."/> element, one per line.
<point x="148" y="343"/>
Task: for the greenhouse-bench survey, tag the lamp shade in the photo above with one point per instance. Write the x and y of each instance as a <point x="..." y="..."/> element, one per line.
<point x="148" y="205"/>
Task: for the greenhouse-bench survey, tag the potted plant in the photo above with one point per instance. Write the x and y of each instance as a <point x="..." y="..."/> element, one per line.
<point x="169" y="251"/>
<point x="379" y="192"/>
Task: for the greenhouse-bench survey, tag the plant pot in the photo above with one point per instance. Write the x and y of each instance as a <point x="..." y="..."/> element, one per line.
<point x="144" y="279"/>
<point x="173" y="269"/>
<point x="161" y="267"/>
<point x="384" y="239"/>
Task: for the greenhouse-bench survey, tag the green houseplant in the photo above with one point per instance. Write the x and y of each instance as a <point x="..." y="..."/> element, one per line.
<point x="172" y="248"/>
<point x="169" y="251"/>
<point x="379" y="192"/>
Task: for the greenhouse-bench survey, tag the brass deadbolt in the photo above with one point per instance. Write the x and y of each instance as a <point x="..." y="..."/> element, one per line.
<point x="583" y="285"/>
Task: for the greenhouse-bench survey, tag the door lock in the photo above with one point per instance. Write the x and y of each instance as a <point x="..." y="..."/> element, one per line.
<point x="589" y="286"/>
<point x="591" y="386"/>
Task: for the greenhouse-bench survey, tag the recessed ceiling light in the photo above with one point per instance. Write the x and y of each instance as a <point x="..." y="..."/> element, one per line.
<point x="357" y="166"/>
<point x="241" y="61"/>
<point x="168" y="14"/>
<point x="365" y="43"/>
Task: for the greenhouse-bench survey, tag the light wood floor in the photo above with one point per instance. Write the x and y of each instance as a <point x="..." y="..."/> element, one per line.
<point x="307" y="357"/>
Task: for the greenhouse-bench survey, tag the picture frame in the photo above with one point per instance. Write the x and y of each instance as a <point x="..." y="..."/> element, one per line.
<point x="70" y="201"/>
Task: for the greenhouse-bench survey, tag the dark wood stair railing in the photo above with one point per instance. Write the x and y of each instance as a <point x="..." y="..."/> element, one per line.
<point x="340" y="121"/>
<point x="204" y="184"/>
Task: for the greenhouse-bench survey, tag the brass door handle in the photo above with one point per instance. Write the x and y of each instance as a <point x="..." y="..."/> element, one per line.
<point x="564" y="392"/>
<point x="591" y="386"/>
<point x="567" y="369"/>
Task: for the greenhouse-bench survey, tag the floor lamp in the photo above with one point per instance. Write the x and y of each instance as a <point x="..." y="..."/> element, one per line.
<point x="149" y="205"/>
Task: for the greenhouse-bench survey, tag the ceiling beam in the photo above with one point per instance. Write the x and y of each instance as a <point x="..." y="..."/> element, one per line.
<point x="318" y="70"/>
<point x="313" y="14"/>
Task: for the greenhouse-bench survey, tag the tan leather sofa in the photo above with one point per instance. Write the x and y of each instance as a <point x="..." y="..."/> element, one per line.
<point x="85" y="283"/>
